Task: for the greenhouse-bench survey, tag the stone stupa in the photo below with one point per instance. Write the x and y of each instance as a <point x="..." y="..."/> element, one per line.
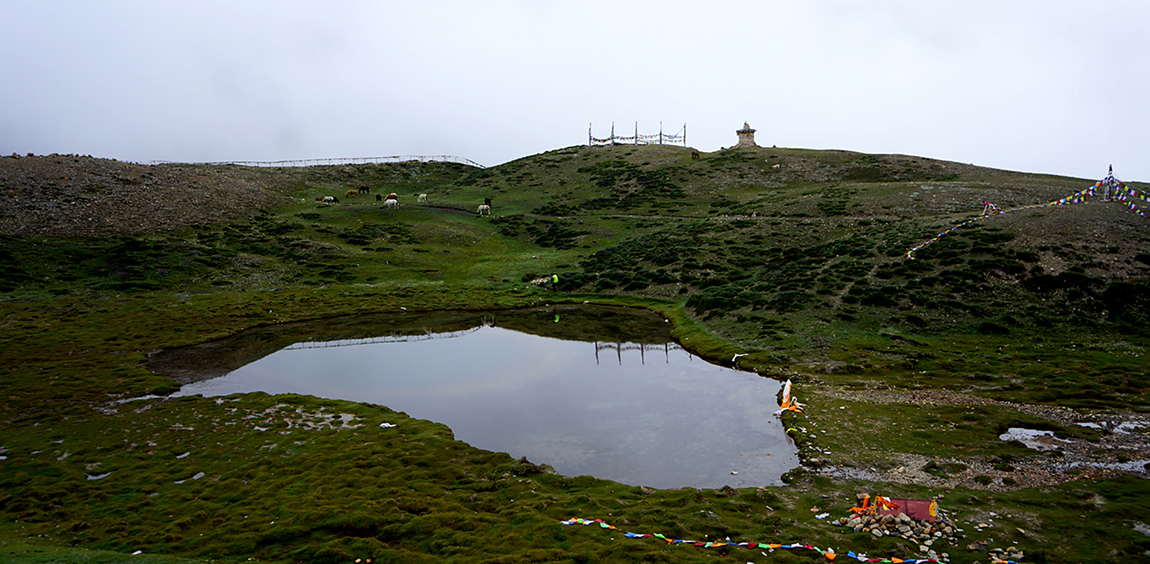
<point x="746" y="136"/>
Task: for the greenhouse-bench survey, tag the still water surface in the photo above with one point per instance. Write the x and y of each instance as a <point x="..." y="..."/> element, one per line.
<point x="650" y="415"/>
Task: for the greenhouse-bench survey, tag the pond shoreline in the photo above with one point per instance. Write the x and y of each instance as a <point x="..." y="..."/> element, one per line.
<point x="638" y="409"/>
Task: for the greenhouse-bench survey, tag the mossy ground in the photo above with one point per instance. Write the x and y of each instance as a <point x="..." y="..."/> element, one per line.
<point x="801" y="266"/>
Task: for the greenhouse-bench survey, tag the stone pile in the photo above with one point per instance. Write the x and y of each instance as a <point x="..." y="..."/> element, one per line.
<point x="927" y="535"/>
<point x="1009" y="554"/>
<point x="998" y="555"/>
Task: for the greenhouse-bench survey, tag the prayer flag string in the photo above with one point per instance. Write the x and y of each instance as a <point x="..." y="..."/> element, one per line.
<point x="642" y="139"/>
<point x="829" y="552"/>
<point x="1112" y="188"/>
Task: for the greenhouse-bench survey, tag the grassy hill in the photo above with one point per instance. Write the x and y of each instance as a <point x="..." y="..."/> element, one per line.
<point x="797" y="256"/>
<point x="794" y="258"/>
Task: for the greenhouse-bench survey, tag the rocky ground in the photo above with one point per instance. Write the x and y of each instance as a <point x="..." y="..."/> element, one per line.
<point x="82" y="196"/>
<point x="1123" y="447"/>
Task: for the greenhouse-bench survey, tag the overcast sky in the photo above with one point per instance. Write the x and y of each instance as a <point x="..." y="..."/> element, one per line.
<point x="1051" y="86"/>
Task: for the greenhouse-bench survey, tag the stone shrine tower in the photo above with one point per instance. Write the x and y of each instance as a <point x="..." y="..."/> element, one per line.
<point x="746" y="136"/>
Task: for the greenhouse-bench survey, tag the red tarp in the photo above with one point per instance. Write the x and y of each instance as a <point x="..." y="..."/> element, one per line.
<point x="917" y="509"/>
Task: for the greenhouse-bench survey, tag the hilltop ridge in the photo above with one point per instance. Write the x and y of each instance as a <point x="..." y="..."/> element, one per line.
<point x="74" y="196"/>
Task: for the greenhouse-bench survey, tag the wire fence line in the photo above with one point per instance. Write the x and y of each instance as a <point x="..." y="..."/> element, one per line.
<point x="665" y="348"/>
<point x="429" y="334"/>
<point x="398" y="338"/>
<point x="341" y="161"/>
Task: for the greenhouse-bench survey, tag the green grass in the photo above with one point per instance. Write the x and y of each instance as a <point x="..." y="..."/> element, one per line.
<point x="799" y="267"/>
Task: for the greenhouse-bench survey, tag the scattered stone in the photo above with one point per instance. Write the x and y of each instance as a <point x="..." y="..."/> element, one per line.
<point x="923" y="533"/>
<point x="86" y="197"/>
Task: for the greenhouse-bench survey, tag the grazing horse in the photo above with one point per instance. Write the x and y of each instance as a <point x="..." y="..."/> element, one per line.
<point x="365" y="189"/>
<point x="484" y="209"/>
<point x="330" y="200"/>
<point x="391" y="204"/>
<point x="695" y="155"/>
<point x="422" y="199"/>
<point x="379" y="197"/>
<point x="351" y="193"/>
<point x="319" y="198"/>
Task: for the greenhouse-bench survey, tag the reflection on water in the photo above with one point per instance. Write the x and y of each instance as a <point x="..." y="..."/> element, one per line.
<point x="638" y="413"/>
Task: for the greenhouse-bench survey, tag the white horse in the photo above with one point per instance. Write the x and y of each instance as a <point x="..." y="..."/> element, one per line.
<point x="422" y="199"/>
<point x="391" y="204"/>
<point x="330" y="200"/>
<point x="484" y="209"/>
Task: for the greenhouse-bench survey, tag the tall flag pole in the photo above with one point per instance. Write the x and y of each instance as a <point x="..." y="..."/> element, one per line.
<point x="663" y="137"/>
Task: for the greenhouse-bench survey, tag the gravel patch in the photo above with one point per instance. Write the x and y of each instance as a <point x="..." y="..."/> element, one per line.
<point x="1121" y="448"/>
<point x="64" y="196"/>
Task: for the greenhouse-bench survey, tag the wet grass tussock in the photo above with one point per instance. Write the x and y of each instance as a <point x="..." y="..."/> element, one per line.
<point x="791" y="259"/>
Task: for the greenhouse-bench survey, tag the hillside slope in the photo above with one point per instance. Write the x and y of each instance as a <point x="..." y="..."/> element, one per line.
<point x="785" y="261"/>
<point x="782" y="249"/>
